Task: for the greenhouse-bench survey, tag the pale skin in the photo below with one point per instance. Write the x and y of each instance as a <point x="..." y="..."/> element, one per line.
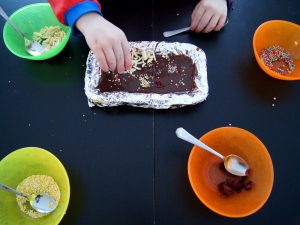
<point x="209" y="15"/>
<point x="107" y="42"/>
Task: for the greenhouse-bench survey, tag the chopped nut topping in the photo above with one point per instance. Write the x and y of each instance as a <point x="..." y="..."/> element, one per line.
<point x="144" y="82"/>
<point x="140" y="58"/>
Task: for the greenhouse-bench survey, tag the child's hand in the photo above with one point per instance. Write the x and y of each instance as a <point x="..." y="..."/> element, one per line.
<point x="107" y="42"/>
<point x="209" y="15"/>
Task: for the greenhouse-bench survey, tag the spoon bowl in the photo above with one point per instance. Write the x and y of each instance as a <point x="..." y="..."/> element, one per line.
<point x="34" y="48"/>
<point x="236" y="165"/>
<point x="232" y="163"/>
<point x="41" y="203"/>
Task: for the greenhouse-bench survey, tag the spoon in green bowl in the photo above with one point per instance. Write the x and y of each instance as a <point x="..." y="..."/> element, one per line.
<point x="41" y="203"/>
<point x="233" y="163"/>
<point x="32" y="47"/>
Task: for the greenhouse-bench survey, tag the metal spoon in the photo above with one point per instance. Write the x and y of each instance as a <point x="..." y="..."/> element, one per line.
<point x="178" y="31"/>
<point x="32" y="47"/>
<point x="174" y="32"/>
<point x="41" y="203"/>
<point x="233" y="163"/>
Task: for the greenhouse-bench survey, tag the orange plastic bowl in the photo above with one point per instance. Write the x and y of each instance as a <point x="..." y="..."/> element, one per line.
<point x="286" y="35"/>
<point x="204" y="172"/>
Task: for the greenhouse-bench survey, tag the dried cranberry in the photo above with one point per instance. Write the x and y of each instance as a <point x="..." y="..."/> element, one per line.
<point x="236" y="184"/>
<point x="158" y="83"/>
<point x="249" y="172"/>
<point x="232" y="182"/>
<point x="248" y="185"/>
<point x="243" y="178"/>
<point x="227" y="189"/>
<point x="220" y="187"/>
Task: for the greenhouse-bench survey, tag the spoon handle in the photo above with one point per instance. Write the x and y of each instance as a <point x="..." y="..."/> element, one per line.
<point x="186" y="136"/>
<point x="6" y="188"/>
<point x="174" y="32"/>
<point x="5" y="16"/>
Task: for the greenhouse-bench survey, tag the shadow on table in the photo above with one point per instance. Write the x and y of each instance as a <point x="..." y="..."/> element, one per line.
<point x="76" y="199"/>
<point x="125" y="109"/>
<point x="262" y="85"/>
<point x="70" y="64"/>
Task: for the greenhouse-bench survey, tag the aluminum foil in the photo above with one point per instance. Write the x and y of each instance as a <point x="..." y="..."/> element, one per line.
<point x="150" y="100"/>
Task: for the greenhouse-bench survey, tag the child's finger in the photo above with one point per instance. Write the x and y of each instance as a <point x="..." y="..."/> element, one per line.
<point x="221" y="23"/>
<point x="101" y="59"/>
<point x="196" y="16"/>
<point x="211" y="25"/>
<point x="204" y="21"/>
<point x="119" y="55"/>
<point x="127" y="55"/>
<point x="110" y="58"/>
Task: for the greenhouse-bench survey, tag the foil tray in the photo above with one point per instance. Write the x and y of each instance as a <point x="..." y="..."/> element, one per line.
<point x="149" y="100"/>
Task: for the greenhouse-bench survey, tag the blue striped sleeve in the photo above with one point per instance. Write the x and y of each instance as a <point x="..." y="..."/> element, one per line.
<point x="76" y="11"/>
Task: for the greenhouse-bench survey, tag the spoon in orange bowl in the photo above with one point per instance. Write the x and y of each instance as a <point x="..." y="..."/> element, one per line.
<point x="233" y="163"/>
<point x="41" y="203"/>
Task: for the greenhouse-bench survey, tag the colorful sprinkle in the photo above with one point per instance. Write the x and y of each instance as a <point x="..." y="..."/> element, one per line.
<point x="278" y="60"/>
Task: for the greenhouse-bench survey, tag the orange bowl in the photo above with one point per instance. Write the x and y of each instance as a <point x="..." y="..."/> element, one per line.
<point x="204" y="171"/>
<point x="284" y="34"/>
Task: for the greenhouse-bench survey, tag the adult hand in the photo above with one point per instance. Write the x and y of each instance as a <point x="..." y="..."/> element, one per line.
<point x="209" y="15"/>
<point x="108" y="42"/>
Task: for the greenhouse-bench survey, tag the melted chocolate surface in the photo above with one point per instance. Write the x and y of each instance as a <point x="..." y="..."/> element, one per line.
<point x="171" y="74"/>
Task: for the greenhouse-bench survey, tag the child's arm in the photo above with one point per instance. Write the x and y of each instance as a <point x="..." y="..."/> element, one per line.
<point x="107" y="41"/>
<point x="209" y="15"/>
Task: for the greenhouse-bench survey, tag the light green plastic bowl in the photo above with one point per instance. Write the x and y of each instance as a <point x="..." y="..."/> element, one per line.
<point x="32" y="18"/>
<point x="23" y="163"/>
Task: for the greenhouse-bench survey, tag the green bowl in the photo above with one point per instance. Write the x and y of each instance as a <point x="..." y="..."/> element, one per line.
<point x="23" y="163"/>
<point x="32" y="18"/>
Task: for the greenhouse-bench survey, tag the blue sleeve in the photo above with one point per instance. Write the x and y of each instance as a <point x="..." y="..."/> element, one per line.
<point x="76" y="11"/>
